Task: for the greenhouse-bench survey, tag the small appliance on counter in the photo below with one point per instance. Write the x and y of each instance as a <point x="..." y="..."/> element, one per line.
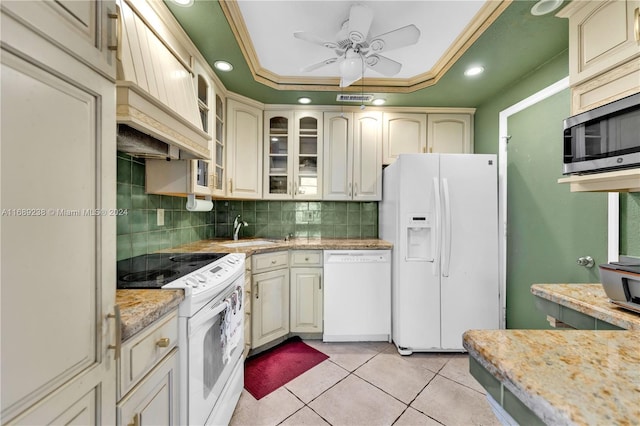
<point x="621" y="282"/>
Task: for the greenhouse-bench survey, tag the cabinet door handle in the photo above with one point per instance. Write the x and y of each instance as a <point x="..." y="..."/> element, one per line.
<point x="230" y="184"/>
<point x="295" y="190"/>
<point x="289" y="190"/>
<point x="349" y="189"/>
<point x="163" y="342"/>
<point x="117" y="45"/>
<point x="319" y="283"/>
<point x="135" y="421"/>
<point x="118" y="324"/>
<point x="355" y="190"/>
<point x="636" y="23"/>
<point x="257" y="290"/>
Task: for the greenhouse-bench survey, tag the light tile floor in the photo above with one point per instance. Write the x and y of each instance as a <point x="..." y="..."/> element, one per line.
<point x="371" y="384"/>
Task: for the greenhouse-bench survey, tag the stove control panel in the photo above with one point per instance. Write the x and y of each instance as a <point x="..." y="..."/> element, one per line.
<point x="217" y="274"/>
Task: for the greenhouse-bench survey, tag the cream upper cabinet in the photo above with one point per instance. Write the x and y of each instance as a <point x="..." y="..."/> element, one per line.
<point x="293" y="155"/>
<point x="449" y="133"/>
<point x="352" y="156"/>
<point x="244" y="150"/>
<point x="403" y="133"/>
<point x="604" y="51"/>
<point x="56" y="331"/>
<point x="87" y="28"/>
<point x="602" y="35"/>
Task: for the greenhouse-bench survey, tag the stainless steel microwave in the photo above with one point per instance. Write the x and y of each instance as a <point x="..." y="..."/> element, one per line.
<point x="604" y="138"/>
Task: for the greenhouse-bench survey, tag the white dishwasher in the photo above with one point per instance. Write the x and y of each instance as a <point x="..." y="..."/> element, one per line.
<point x="357" y="295"/>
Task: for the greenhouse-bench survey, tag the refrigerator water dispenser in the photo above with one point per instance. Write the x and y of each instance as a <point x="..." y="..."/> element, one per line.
<point x="419" y="230"/>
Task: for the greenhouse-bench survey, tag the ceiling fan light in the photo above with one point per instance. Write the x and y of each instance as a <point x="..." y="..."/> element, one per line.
<point x="351" y="67"/>
<point x="304" y="100"/>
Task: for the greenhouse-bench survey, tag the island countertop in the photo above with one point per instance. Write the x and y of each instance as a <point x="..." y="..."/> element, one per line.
<point x="565" y="376"/>
<point x="590" y="299"/>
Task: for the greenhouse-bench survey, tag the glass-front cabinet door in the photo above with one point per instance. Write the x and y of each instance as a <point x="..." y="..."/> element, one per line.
<point x="277" y="168"/>
<point x="307" y="152"/>
<point x="292" y="162"/>
<point x="219" y="150"/>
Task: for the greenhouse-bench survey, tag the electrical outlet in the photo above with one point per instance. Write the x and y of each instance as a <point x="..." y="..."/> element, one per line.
<point x="160" y="217"/>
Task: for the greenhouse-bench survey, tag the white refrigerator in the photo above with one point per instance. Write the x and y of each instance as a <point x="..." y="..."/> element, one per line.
<point x="440" y="211"/>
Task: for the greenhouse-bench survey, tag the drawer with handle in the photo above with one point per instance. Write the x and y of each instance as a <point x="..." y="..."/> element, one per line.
<point x="306" y="258"/>
<point x="144" y="350"/>
<point x="269" y="261"/>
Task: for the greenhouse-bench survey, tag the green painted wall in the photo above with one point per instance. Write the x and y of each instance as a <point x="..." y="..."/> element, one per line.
<point x="138" y="232"/>
<point x="630" y="224"/>
<point x="542" y="240"/>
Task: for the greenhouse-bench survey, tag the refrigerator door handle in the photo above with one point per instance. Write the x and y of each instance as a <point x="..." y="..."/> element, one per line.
<point x="446" y="243"/>
<point x="435" y="241"/>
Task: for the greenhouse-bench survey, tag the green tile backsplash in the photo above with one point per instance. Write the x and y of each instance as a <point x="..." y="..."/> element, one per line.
<point x="138" y="232"/>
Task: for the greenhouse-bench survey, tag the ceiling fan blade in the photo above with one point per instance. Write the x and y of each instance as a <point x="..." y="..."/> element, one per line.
<point x="360" y="18"/>
<point x="395" y="39"/>
<point x="312" y="38"/>
<point x="383" y="65"/>
<point x="312" y="67"/>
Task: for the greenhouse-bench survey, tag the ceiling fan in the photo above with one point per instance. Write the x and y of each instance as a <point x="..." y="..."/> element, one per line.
<point x="355" y="50"/>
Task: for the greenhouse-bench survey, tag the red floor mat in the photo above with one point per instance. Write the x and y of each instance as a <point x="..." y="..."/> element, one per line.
<point x="269" y="370"/>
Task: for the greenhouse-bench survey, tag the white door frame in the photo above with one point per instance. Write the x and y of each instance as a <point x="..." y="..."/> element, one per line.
<point x="613" y="219"/>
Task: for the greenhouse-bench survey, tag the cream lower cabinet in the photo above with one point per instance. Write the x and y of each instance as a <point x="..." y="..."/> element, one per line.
<point x="147" y="376"/>
<point x="244" y="150"/>
<point x="58" y="160"/>
<point x="352" y="156"/>
<point x="449" y="133"/>
<point x="306" y="291"/>
<point x="270" y="297"/>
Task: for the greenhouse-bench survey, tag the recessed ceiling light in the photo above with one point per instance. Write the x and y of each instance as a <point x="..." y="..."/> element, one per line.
<point x="304" y="100"/>
<point x="223" y="66"/>
<point x="545" y="6"/>
<point x="475" y="70"/>
<point x="379" y="101"/>
<point x="185" y="3"/>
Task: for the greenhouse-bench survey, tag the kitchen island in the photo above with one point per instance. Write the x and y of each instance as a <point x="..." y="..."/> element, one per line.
<point x="585" y="376"/>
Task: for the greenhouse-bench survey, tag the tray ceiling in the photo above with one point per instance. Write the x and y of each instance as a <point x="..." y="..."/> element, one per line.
<point x="276" y="57"/>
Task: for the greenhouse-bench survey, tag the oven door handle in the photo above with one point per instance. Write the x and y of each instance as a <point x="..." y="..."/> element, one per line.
<point x="208" y="315"/>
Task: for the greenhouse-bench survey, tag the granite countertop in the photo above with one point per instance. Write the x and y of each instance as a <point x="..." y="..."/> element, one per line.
<point x="590" y="299"/>
<point x="565" y="376"/>
<point x="140" y="308"/>
<point x="216" y="246"/>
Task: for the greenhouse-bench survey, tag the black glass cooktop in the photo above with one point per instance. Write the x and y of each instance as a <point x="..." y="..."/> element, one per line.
<point x="158" y="269"/>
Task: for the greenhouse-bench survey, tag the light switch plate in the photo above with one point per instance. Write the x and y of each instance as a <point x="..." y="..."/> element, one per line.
<point x="160" y="217"/>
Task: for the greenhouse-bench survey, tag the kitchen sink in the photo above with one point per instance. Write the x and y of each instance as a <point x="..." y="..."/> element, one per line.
<point x="249" y="243"/>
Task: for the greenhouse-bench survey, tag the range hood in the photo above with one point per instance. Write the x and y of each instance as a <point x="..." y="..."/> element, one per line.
<point x="155" y="91"/>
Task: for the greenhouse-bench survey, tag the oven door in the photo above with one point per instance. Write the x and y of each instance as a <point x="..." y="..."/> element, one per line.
<point x="212" y="354"/>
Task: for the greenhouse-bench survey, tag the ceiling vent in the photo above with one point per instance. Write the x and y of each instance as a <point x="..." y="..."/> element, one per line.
<point x="342" y="97"/>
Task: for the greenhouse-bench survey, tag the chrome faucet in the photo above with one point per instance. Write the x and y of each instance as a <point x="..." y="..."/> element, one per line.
<point x="237" y="224"/>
